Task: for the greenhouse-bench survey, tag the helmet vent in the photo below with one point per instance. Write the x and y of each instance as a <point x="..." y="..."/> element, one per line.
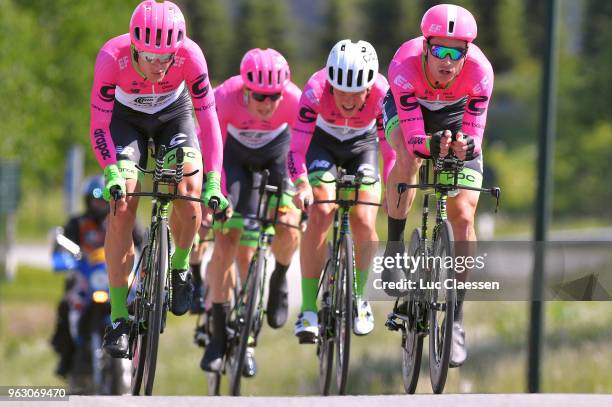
<point x="180" y="36"/>
<point x="370" y="75"/>
<point x="349" y="77"/>
<point x="147" y="35"/>
<point x="137" y="33"/>
<point x="169" y="39"/>
<point x="451" y="27"/>
<point x="339" y="79"/>
<point x="270" y="77"/>
<point x="158" y="38"/>
<point x="360" y="78"/>
<point x="331" y="73"/>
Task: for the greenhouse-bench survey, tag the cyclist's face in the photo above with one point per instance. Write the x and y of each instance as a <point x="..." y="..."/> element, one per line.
<point x="262" y="110"/>
<point x="441" y="71"/>
<point x="349" y="103"/>
<point x="154" y="71"/>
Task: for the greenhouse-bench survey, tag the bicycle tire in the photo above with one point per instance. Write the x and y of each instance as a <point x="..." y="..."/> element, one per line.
<point x="325" y="345"/>
<point x="441" y="334"/>
<point x="251" y="290"/>
<point x="154" y="324"/>
<point x="344" y="311"/>
<point x="138" y="334"/>
<point x="412" y="340"/>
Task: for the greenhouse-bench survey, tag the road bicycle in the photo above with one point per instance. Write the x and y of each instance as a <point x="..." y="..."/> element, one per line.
<point x="337" y="284"/>
<point x="428" y="309"/>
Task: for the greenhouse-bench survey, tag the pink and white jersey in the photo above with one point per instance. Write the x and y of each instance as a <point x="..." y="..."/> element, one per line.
<point x="411" y="89"/>
<point x="318" y="109"/>
<point x="236" y="120"/>
<point x="115" y="78"/>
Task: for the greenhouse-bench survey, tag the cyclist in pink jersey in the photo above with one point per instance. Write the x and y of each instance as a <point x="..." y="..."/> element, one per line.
<point x="147" y="83"/>
<point x="442" y="84"/>
<point x="256" y="111"/>
<point x="339" y="124"/>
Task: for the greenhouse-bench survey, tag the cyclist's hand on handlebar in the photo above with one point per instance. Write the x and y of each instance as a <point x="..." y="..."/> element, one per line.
<point x="440" y="143"/>
<point x="212" y="195"/>
<point x="114" y="183"/>
<point x="303" y="195"/>
<point x="463" y="147"/>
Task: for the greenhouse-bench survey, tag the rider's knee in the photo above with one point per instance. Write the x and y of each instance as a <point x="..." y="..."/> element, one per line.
<point x="320" y="216"/>
<point x="463" y="223"/>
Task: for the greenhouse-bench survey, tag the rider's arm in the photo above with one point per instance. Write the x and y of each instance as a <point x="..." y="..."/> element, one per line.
<point x="388" y="154"/>
<point x="101" y="106"/>
<point x="408" y="107"/>
<point x="198" y="81"/>
<point x="480" y="87"/>
<point x="303" y="129"/>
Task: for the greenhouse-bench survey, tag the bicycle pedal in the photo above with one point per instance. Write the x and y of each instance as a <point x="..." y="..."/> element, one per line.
<point x="307" y="339"/>
<point x="392" y="325"/>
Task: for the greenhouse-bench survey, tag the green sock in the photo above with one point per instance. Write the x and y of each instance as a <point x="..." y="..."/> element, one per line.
<point x="118" y="297"/>
<point x="180" y="259"/>
<point x="362" y="279"/>
<point x="309" y="294"/>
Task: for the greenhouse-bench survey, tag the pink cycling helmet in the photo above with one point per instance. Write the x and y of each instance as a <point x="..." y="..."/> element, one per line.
<point x="450" y="21"/>
<point x="264" y="70"/>
<point x="157" y="27"/>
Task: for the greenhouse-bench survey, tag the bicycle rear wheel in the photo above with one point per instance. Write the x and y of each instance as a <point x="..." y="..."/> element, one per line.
<point x="343" y="306"/>
<point x="442" y="308"/>
<point x="412" y="340"/>
<point x="246" y="308"/>
<point x="325" y="345"/>
<point x="154" y="322"/>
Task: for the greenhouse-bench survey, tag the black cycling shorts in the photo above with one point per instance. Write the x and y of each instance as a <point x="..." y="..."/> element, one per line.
<point x="241" y="165"/>
<point x="172" y="126"/>
<point x="326" y="153"/>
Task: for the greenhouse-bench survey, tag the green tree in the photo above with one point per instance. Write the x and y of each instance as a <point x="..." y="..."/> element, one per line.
<point x="389" y="24"/>
<point x="262" y="24"/>
<point x="341" y="20"/>
<point x="209" y="25"/>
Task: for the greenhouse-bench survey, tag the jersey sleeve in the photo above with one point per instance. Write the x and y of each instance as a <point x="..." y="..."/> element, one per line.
<point x="476" y="107"/>
<point x="402" y="76"/>
<point x="388" y="154"/>
<point x="220" y="94"/>
<point x="303" y="128"/>
<point x="198" y="81"/>
<point x="101" y="108"/>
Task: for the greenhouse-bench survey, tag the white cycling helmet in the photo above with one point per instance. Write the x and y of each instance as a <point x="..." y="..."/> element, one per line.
<point x="352" y="66"/>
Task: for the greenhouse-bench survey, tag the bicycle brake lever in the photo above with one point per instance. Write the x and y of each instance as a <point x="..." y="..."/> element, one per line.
<point x="401" y="188"/>
<point x="496" y="192"/>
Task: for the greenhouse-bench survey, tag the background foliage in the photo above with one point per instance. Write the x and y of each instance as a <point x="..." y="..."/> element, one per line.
<point x="47" y="51"/>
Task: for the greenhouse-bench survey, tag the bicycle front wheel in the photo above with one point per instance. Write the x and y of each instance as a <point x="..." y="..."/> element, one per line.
<point x="442" y="308"/>
<point x="154" y="323"/>
<point x="325" y="344"/>
<point x="412" y="339"/>
<point x="246" y="308"/>
<point x="343" y="306"/>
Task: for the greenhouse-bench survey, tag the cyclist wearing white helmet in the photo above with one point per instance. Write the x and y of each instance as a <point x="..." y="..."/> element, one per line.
<point x="442" y="84"/>
<point x="339" y="124"/>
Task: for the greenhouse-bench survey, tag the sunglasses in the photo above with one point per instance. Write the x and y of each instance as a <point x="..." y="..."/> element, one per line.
<point x="441" y="52"/>
<point x="260" y="97"/>
<point x="150" y="57"/>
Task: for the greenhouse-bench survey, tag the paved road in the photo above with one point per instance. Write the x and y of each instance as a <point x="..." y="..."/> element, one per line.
<point x="445" y="400"/>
